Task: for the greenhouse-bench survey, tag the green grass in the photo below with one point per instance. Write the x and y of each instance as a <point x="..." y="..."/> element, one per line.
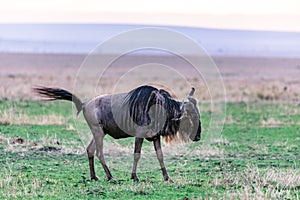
<point x="257" y="156"/>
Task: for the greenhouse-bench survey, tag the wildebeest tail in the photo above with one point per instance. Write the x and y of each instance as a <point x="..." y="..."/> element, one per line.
<point x="58" y="94"/>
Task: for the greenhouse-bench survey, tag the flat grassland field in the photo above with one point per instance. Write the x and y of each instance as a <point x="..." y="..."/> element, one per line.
<point x="257" y="156"/>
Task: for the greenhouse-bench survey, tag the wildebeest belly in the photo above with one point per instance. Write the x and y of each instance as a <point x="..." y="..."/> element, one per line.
<point x="113" y="117"/>
<point x="116" y="133"/>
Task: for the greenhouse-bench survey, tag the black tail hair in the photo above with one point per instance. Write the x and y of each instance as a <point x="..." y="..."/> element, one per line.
<point x="58" y="94"/>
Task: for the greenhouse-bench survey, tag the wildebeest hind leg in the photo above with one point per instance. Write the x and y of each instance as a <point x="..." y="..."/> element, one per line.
<point x="98" y="137"/>
<point x="90" y="152"/>
<point x="159" y="154"/>
<point x="137" y="154"/>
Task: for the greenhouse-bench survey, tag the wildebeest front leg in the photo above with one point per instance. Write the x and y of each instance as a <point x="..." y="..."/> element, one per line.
<point x="159" y="154"/>
<point x="137" y="154"/>
<point x="90" y="152"/>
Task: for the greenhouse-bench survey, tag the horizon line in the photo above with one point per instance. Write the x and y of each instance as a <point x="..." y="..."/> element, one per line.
<point x="274" y="23"/>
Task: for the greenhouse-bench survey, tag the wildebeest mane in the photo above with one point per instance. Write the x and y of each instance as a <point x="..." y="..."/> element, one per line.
<point x="141" y="99"/>
<point x="172" y="108"/>
<point x="139" y="102"/>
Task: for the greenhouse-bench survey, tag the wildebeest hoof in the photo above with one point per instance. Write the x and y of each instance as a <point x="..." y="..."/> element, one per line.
<point x="134" y="178"/>
<point x="112" y="180"/>
<point x="95" y="178"/>
<point x="169" y="180"/>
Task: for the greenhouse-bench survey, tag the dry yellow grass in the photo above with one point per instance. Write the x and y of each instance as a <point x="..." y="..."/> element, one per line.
<point x="12" y="118"/>
<point x="245" y="79"/>
<point x="268" y="183"/>
<point x="60" y="146"/>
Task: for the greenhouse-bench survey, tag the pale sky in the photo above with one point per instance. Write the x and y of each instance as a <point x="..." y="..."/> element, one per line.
<point x="280" y="15"/>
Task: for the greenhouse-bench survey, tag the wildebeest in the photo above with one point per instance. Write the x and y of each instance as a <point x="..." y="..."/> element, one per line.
<point x="144" y="113"/>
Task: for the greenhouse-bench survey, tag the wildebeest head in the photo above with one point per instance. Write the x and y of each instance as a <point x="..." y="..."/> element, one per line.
<point x="190" y="124"/>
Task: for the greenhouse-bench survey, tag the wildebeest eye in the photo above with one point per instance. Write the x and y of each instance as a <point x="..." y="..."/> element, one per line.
<point x="177" y="117"/>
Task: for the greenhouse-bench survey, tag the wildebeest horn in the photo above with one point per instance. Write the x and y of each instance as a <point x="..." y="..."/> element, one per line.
<point x="190" y="98"/>
<point x="192" y="92"/>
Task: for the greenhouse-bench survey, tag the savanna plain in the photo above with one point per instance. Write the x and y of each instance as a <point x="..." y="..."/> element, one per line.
<point x="255" y="156"/>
